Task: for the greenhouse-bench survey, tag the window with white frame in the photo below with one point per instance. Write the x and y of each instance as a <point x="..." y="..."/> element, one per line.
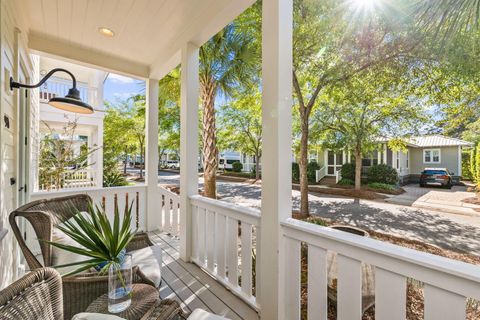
<point x="431" y="156"/>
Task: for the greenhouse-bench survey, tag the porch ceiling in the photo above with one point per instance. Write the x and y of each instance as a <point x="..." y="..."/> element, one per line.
<point x="148" y="33"/>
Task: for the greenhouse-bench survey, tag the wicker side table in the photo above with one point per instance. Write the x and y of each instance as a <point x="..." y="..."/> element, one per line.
<point x="144" y="298"/>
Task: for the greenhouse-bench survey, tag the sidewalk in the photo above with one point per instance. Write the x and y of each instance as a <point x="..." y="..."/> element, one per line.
<point x="449" y="201"/>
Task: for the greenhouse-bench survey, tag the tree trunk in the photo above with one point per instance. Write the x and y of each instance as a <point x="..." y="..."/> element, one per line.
<point x="210" y="152"/>
<point x="358" y="169"/>
<point x="142" y="161"/>
<point x="125" y="163"/>
<point x="257" y="167"/>
<point x="303" y="162"/>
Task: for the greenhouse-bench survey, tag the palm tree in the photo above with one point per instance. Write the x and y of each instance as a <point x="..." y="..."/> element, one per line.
<point x="227" y="61"/>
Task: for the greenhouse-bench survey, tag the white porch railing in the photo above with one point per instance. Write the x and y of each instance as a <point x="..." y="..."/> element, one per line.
<point x="320" y="174"/>
<point x="224" y="243"/>
<point x="338" y="175"/>
<point x="447" y="283"/>
<point x="170" y="211"/>
<point x="106" y="198"/>
<point x="58" y="87"/>
<point x="71" y="179"/>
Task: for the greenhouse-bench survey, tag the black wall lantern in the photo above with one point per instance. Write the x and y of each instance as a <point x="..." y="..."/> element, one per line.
<point x="71" y="102"/>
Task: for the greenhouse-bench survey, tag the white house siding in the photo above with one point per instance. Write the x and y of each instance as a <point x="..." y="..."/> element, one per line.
<point x="13" y="52"/>
<point x="34" y="137"/>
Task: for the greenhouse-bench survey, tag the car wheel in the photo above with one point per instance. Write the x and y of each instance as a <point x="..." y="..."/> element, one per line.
<point x="422" y="185"/>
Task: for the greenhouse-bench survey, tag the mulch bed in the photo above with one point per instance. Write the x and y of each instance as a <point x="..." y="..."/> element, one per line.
<point x="397" y="191"/>
<point x="346" y="192"/>
<point x="472" y="200"/>
<point x="415" y="295"/>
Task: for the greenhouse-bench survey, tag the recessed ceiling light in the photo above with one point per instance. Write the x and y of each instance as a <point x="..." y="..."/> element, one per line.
<point x="106" y="31"/>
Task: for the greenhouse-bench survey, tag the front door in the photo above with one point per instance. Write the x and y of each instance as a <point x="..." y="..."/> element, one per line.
<point x="334" y="162"/>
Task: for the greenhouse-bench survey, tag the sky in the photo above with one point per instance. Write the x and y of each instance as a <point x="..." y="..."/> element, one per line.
<point x="120" y="88"/>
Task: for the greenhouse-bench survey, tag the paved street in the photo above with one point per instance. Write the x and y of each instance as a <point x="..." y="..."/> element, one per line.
<point x="449" y="231"/>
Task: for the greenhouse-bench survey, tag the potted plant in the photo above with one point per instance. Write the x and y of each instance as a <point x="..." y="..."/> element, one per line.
<point x="104" y="244"/>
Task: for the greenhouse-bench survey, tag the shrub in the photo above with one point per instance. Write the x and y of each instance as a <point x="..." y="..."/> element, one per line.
<point x="348" y="171"/>
<point x="237" y="166"/>
<point x="312" y="168"/>
<point x="113" y="179"/>
<point x="382" y="173"/>
<point x="381" y="186"/>
<point x="295" y="172"/>
<point x="346" y="182"/>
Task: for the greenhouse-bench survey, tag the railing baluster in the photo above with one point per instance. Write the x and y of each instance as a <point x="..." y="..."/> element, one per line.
<point x="232" y="251"/>
<point x="195" y="239"/>
<point x="175" y="214"/>
<point x="201" y="236"/>
<point x="317" y="283"/>
<point x="210" y="238"/>
<point x="442" y="304"/>
<point x="246" y="255"/>
<point x="390" y="295"/>
<point x="290" y="275"/>
<point x="349" y="289"/>
<point x="220" y="230"/>
<point x="166" y="208"/>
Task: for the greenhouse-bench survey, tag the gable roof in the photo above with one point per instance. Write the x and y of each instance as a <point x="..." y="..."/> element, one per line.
<point x="436" y="141"/>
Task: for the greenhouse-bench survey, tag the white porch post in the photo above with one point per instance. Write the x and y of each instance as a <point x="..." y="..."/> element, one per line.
<point x="277" y="152"/>
<point x="188" y="144"/>
<point x="151" y="173"/>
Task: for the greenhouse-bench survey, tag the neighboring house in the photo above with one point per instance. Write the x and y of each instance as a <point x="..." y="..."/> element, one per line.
<point x="89" y="128"/>
<point x="227" y="158"/>
<point x="430" y="151"/>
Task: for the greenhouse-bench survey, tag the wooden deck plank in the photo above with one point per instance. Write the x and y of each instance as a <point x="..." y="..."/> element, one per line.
<point x="200" y="290"/>
<point x="210" y="290"/>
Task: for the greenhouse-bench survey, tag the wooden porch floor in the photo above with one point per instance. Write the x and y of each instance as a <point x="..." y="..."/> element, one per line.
<point x="192" y="287"/>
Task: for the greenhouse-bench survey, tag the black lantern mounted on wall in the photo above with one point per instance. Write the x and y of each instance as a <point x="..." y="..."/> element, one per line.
<point x="71" y="102"/>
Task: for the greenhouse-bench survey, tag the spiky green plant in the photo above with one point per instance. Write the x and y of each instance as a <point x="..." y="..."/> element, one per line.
<point x="101" y="241"/>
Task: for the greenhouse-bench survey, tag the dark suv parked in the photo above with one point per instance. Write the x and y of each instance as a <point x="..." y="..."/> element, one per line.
<point x="436" y="176"/>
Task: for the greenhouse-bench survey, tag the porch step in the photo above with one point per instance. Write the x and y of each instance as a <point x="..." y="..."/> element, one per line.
<point x="328" y="180"/>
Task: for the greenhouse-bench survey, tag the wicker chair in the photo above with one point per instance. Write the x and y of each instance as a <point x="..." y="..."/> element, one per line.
<point x="79" y="290"/>
<point x="38" y="295"/>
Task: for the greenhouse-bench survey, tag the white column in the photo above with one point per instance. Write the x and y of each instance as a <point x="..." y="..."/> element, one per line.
<point x="151" y="173"/>
<point x="459" y="173"/>
<point x="385" y="153"/>
<point x="277" y="152"/>
<point x="98" y="141"/>
<point x="188" y="144"/>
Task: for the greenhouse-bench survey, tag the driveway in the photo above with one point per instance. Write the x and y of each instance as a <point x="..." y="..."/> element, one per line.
<point x="448" y="231"/>
<point x="435" y="198"/>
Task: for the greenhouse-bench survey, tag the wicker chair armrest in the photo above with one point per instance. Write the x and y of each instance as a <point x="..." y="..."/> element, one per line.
<point x="81" y="290"/>
<point x="141" y="240"/>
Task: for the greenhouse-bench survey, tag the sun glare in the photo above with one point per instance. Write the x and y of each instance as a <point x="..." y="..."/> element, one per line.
<point x="364" y="4"/>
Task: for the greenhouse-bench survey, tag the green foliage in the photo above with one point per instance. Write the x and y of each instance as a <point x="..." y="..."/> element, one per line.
<point x="316" y="220"/>
<point x="295" y="172"/>
<point x="312" y="168"/>
<point x="381" y="186"/>
<point x="113" y="179"/>
<point x="382" y="173"/>
<point x="477" y="166"/>
<point x="346" y="182"/>
<point x="57" y="157"/>
<point x="97" y="238"/>
<point x="466" y="164"/>
<point x="237" y="167"/>
<point x="348" y="171"/>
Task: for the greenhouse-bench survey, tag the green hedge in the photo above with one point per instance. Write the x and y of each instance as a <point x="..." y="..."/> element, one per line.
<point x="348" y="171"/>
<point x="312" y="167"/>
<point x="381" y="186"/>
<point x="237" y="167"/>
<point x="382" y="173"/>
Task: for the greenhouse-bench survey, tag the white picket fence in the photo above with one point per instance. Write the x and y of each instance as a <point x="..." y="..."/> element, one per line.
<point x="224" y="243"/>
<point x="447" y="283"/>
<point x="71" y="179"/>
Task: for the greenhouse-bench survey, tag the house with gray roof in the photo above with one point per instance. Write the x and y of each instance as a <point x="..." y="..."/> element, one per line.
<point x="428" y="151"/>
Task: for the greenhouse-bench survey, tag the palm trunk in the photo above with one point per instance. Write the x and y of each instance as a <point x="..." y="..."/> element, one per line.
<point x="210" y="152"/>
<point x="358" y="169"/>
<point x="303" y="162"/>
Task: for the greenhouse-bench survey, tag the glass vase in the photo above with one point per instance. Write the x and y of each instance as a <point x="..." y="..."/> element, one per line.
<point x="120" y="285"/>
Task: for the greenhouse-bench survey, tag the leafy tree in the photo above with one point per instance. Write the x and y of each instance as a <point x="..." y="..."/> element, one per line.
<point x="226" y="61"/>
<point x="331" y="45"/>
<point x="241" y="125"/>
<point x="367" y="107"/>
